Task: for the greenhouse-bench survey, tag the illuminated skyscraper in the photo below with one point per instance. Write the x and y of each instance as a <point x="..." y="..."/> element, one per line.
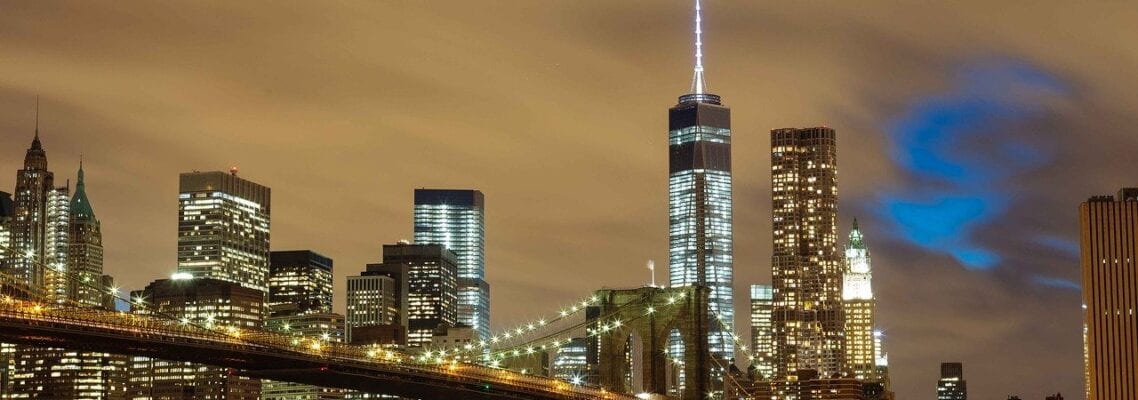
<point x="223" y="228"/>
<point x="57" y="280"/>
<point x="456" y="219"/>
<point x="300" y="282"/>
<point x="857" y="295"/>
<point x="762" y="336"/>
<point x="432" y="288"/>
<point x="806" y="266"/>
<point x="377" y="297"/>
<point x="699" y="199"/>
<point x="952" y="385"/>
<point x="34" y="183"/>
<point x="1109" y="259"/>
<point x="85" y="249"/>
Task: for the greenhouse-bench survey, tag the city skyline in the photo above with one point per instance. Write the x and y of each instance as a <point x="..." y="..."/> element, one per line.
<point x="559" y="226"/>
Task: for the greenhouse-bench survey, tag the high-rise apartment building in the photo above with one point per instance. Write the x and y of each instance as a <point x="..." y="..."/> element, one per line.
<point x="699" y="200"/>
<point x="300" y="282"/>
<point x="223" y="228"/>
<point x="57" y="273"/>
<point x="457" y="219"/>
<point x="806" y="267"/>
<point x="762" y="334"/>
<point x="952" y="385"/>
<point x="1109" y="260"/>
<point x="432" y="287"/>
<point x="207" y="302"/>
<point x="378" y="298"/>
<point x="857" y="296"/>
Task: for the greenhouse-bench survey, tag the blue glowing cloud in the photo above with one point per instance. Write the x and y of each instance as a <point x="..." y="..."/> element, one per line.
<point x="1057" y="283"/>
<point x="960" y="149"/>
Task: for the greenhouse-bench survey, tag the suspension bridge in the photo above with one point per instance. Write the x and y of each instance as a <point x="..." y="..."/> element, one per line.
<point x="630" y="328"/>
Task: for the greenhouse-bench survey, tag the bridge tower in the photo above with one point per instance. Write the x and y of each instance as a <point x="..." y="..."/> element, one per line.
<point x="647" y="316"/>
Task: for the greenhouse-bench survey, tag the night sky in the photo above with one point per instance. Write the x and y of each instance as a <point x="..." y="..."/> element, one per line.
<point x="968" y="134"/>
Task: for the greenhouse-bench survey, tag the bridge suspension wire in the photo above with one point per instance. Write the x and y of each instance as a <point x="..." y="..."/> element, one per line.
<point x="536" y="343"/>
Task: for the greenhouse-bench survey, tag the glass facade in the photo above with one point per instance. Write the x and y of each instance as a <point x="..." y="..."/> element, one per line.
<point x="223" y="228"/>
<point x="300" y="282"/>
<point x="431" y="284"/>
<point x="806" y="271"/>
<point x="456" y="219"/>
<point x="762" y="337"/>
<point x="700" y="210"/>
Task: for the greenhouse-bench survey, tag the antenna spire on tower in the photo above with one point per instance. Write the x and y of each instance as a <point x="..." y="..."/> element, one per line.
<point x="37" y="117"/>
<point x="698" y="85"/>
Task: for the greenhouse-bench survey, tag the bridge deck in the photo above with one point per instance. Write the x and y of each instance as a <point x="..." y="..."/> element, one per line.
<point x="271" y="356"/>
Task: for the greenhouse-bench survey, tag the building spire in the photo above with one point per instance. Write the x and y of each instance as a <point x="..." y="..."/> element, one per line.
<point x="36" y="141"/>
<point x="698" y="84"/>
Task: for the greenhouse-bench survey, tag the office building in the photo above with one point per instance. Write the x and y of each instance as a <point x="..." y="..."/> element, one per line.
<point x="1109" y="260"/>
<point x="34" y="183"/>
<point x="857" y="296"/>
<point x="85" y="250"/>
<point x="300" y="282"/>
<point x="432" y="287"/>
<point x="762" y="336"/>
<point x="806" y="268"/>
<point x="207" y="302"/>
<point x="951" y="385"/>
<point x="377" y="302"/>
<point x="699" y="201"/>
<point x="457" y="219"/>
<point x="223" y="228"/>
<point x="571" y="361"/>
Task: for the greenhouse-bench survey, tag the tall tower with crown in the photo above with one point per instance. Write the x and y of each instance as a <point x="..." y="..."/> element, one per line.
<point x="699" y="199"/>
<point x="34" y="183"/>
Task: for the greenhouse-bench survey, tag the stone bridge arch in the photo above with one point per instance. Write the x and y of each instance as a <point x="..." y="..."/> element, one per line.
<point x="684" y="309"/>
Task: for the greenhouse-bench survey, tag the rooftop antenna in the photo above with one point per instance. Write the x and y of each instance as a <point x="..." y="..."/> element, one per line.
<point x="652" y="268"/>
<point x="37" y="116"/>
<point x="698" y="85"/>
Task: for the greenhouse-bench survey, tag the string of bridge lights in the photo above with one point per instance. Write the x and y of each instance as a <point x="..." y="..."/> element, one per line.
<point x="550" y="342"/>
<point x="493" y="359"/>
